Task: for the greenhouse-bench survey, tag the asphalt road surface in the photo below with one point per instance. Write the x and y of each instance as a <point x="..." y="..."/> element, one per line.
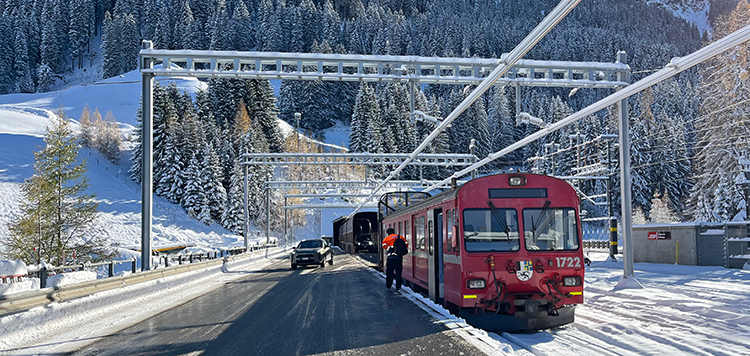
<point x="342" y="309"/>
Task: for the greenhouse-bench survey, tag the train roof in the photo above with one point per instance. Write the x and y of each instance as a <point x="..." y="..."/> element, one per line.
<point x="452" y="193"/>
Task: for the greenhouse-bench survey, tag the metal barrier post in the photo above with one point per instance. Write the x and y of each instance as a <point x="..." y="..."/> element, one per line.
<point x="133" y="269"/>
<point x="111" y="269"/>
<point x="191" y="258"/>
<point x="43" y="277"/>
<point x="166" y="261"/>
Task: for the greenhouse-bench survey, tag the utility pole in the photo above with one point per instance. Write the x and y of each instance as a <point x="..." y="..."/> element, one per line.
<point x="625" y="183"/>
<point x="610" y="208"/>
<point x="472" y="147"/>
<point x="246" y="212"/>
<point x="297" y="116"/>
<point x="147" y="165"/>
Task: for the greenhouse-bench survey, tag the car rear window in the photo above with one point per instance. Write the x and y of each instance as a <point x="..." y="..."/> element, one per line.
<point x="310" y="244"/>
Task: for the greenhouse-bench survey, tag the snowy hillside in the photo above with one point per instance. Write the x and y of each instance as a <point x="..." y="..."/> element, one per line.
<point x="22" y="124"/>
<point x="694" y="11"/>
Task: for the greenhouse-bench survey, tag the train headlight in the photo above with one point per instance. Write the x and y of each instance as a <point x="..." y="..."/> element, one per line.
<point x="516" y="181"/>
<point x="572" y="281"/>
<point x="475" y="284"/>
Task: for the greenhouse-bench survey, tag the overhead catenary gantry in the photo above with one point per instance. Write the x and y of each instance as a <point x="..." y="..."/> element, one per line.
<point x="370" y="159"/>
<point x="380" y="68"/>
<point x="510" y="69"/>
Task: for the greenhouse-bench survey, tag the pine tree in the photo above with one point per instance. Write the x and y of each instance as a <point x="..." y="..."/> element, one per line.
<point x="502" y="126"/>
<point x="233" y="217"/>
<point x="366" y="111"/>
<point x="661" y="210"/>
<point x="86" y="132"/>
<point x="109" y="138"/>
<point x="716" y="163"/>
<point x="261" y="105"/>
<point x="80" y="29"/>
<point x="242" y="29"/>
<point x="22" y="72"/>
<point x="56" y="212"/>
<point x="193" y="196"/>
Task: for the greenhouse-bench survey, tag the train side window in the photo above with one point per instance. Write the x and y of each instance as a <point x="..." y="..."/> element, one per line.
<point x="419" y="232"/>
<point x="449" y="231"/>
<point x="399" y="229"/>
<point x="407" y="233"/>
<point x="455" y="226"/>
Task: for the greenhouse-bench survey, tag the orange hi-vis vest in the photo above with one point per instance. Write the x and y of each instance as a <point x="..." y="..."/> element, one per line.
<point x="388" y="241"/>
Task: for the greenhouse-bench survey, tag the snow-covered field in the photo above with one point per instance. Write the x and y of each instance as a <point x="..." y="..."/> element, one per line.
<point x="23" y="118"/>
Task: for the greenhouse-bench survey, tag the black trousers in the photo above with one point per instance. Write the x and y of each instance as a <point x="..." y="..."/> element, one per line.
<point x="393" y="269"/>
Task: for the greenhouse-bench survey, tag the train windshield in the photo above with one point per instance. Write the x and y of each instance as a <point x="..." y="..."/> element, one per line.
<point x="550" y="229"/>
<point x="491" y="229"/>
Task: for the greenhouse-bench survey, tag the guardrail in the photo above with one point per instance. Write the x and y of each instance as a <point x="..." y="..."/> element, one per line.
<point x="180" y="259"/>
<point x="596" y="244"/>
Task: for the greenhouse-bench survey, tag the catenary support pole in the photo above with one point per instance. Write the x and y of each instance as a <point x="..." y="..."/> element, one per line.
<point x="610" y="208"/>
<point x="625" y="182"/>
<point x="268" y="214"/>
<point x="245" y="212"/>
<point x="147" y="150"/>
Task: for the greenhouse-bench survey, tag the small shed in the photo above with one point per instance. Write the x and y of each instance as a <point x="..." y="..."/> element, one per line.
<point x="695" y="243"/>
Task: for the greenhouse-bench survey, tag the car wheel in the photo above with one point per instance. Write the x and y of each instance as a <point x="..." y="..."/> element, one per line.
<point x="294" y="266"/>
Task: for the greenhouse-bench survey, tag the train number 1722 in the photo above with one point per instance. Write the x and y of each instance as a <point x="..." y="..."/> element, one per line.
<point x="568" y="262"/>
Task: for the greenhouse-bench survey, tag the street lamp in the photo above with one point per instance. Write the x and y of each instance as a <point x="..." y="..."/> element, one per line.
<point x="297" y="116"/>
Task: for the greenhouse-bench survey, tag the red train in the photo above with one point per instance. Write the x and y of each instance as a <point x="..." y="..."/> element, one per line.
<point x="501" y="251"/>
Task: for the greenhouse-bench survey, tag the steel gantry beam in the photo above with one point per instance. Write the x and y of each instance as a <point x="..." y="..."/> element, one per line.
<point x="372" y="68"/>
<point x="353" y="184"/>
<point x="376" y="159"/>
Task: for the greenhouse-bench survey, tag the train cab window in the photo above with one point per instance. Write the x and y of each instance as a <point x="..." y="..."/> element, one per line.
<point x="492" y="229"/>
<point x="552" y="229"/>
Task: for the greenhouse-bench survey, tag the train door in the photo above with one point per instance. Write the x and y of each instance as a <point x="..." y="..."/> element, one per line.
<point x="439" y="253"/>
<point x="434" y="254"/>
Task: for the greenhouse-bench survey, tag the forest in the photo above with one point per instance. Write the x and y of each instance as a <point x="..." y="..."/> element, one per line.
<point x="688" y="134"/>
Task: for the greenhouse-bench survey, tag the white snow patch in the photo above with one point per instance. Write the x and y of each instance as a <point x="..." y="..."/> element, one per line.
<point x="69" y="278"/>
<point x="13" y="268"/>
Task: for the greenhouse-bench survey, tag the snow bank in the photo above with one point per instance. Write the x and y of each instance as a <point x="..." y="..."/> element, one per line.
<point x="106" y="312"/>
<point x="18" y="287"/>
<point x="13" y="268"/>
<point x="68" y="278"/>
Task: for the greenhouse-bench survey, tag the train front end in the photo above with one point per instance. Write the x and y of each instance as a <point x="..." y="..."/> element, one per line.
<point x="522" y="266"/>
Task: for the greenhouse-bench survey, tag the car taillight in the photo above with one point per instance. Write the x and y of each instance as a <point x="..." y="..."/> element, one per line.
<point x="572" y="281"/>
<point x="475" y="284"/>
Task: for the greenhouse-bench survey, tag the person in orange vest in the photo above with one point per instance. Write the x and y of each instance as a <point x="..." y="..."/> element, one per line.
<point x="396" y="247"/>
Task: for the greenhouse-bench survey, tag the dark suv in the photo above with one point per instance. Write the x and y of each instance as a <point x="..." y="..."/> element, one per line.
<point x="312" y="252"/>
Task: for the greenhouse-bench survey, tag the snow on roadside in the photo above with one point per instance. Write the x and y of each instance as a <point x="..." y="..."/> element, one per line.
<point x="47" y="329"/>
<point x="12" y="268"/>
<point x="681" y="310"/>
<point x="70" y="278"/>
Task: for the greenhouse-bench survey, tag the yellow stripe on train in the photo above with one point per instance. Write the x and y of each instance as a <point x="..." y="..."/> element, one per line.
<point x="470" y="297"/>
<point x="576" y="293"/>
